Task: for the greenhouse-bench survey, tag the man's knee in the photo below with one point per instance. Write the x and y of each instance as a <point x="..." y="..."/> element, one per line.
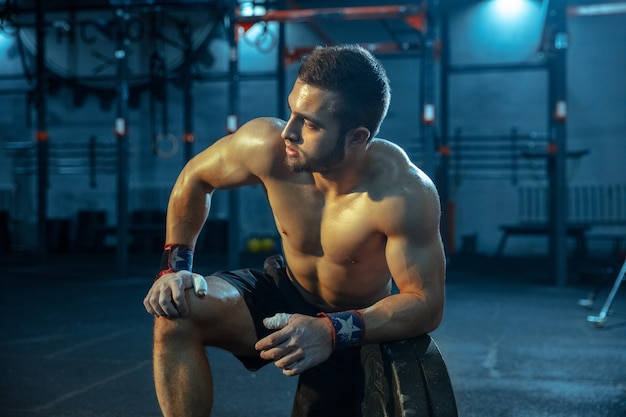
<point x="189" y="327"/>
<point x="218" y="315"/>
<point x="173" y="330"/>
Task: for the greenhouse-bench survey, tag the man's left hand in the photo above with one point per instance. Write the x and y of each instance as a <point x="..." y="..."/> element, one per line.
<point x="301" y="342"/>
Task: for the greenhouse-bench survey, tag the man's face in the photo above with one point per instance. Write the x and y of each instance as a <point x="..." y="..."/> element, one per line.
<point x="313" y="138"/>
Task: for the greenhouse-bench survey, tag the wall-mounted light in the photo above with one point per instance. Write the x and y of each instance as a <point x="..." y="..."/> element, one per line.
<point x="509" y="9"/>
<point x="504" y="29"/>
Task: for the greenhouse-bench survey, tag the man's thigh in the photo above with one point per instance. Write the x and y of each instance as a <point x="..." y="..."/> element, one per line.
<point x="222" y="317"/>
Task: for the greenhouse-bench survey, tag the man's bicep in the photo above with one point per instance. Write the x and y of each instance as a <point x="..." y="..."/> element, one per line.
<point x="414" y="249"/>
<point x="417" y="265"/>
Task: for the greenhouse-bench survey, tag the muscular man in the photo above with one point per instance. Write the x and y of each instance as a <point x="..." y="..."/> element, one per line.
<point x="353" y="213"/>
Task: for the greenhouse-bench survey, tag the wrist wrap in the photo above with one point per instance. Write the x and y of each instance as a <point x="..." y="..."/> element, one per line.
<point x="176" y="258"/>
<point x="348" y="328"/>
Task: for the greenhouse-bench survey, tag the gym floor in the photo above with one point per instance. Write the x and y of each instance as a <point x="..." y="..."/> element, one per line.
<point x="76" y="341"/>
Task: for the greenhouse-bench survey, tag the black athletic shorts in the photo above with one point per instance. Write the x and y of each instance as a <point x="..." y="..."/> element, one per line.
<point x="333" y="388"/>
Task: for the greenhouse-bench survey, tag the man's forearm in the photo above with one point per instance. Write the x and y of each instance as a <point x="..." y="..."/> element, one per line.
<point x="401" y="316"/>
<point x="187" y="211"/>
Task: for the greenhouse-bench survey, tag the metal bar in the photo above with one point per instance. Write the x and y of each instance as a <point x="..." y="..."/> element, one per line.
<point x="557" y="167"/>
<point x="188" y="135"/>
<point x="596" y="9"/>
<point x="514" y="156"/>
<point x="204" y="5"/>
<point x="42" y="133"/>
<point x="315" y="26"/>
<point x="456" y="156"/>
<point x="486" y="158"/>
<point x="485" y="175"/>
<point x="481" y="165"/>
<point x="248" y="75"/>
<point x="233" y="104"/>
<point x="519" y="66"/>
<point x="121" y="131"/>
<point x="485" y="147"/>
<point x="534" y="137"/>
<point x="600" y="319"/>
<point x="427" y="91"/>
<point x="386" y="49"/>
<point x="92" y="161"/>
<point x="334" y="13"/>
<point x="281" y="78"/>
<point x="443" y="171"/>
<point x="243" y="76"/>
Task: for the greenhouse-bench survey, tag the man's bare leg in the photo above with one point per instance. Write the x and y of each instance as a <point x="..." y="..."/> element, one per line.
<point x="182" y="374"/>
<point x="181" y="369"/>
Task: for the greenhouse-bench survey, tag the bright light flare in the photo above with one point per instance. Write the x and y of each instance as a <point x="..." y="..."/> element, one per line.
<point x="509" y="8"/>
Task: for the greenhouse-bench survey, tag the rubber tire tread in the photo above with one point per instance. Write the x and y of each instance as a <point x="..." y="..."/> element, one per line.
<point x="407" y="378"/>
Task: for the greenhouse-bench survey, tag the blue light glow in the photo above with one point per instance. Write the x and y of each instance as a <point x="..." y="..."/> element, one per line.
<point x="509" y="9"/>
<point x="5" y="43"/>
<point x="501" y="30"/>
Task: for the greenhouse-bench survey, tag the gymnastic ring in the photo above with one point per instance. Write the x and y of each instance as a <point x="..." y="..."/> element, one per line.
<point x="174" y="145"/>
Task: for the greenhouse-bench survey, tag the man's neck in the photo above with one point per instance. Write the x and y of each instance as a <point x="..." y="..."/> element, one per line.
<point x="341" y="181"/>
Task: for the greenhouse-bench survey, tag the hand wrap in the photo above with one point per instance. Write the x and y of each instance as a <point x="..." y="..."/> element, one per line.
<point x="176" y="258"/>
<point x="348" y="328"/>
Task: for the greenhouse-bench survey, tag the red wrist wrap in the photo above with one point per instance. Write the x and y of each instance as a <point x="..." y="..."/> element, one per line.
<point x="347" y="326"/>
<point x="176" y="258"/>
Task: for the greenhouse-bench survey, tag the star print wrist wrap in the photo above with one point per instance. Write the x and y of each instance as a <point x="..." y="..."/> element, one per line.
<point x="348" y="328"/>
<point x="176" y="258"/>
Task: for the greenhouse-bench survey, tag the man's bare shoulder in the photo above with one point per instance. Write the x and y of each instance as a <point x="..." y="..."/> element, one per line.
<point x="258" y="144"/>
<point x="261" y="131"/>
<point x="398" y="186"/>
<point x="391" y="169"/>
<point x="248" y="156"/>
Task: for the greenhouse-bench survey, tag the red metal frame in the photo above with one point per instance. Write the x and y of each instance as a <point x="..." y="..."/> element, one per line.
<point x="335" y="13"/>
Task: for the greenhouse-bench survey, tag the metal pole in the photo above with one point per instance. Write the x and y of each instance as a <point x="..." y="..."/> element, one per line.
<point x="443" y="177"/>
<point x="121" y="132"/>
<point x="188" y="135"/>
<point x="557" y="169"/>
<point x="42" y="133"/>
<point x="428" y="91"/>
<point x="336" y="13"/>
<point x="280" y="65"/>
<point x="231" y="126"/>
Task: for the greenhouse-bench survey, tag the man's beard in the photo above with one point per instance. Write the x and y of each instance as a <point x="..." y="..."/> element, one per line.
<point x="322" y="164"/>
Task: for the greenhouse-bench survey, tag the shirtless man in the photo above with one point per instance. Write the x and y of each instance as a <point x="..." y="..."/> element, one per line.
<point x="353" y="213"/>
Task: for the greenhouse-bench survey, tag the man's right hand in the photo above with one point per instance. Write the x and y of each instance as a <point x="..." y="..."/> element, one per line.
<point x="166" y="298"/>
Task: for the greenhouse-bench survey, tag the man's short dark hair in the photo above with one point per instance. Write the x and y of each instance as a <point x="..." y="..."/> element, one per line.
<point x="358" y="78"/>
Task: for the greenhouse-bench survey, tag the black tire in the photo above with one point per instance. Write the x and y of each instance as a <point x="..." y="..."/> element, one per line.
<point x="406" y="378"/>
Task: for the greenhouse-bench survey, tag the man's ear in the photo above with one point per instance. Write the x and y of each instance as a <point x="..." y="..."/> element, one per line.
<point x="359" y="136"/>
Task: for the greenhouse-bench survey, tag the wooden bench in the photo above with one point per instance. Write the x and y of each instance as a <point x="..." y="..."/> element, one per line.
<point x="616" y="241"/>
<point x="576" y="231"/>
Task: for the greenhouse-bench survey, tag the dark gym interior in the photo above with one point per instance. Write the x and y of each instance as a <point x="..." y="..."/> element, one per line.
<point x="515" y="108"/>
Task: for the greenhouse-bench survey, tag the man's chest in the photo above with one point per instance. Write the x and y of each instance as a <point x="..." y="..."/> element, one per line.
<point x="341" y="229"/>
